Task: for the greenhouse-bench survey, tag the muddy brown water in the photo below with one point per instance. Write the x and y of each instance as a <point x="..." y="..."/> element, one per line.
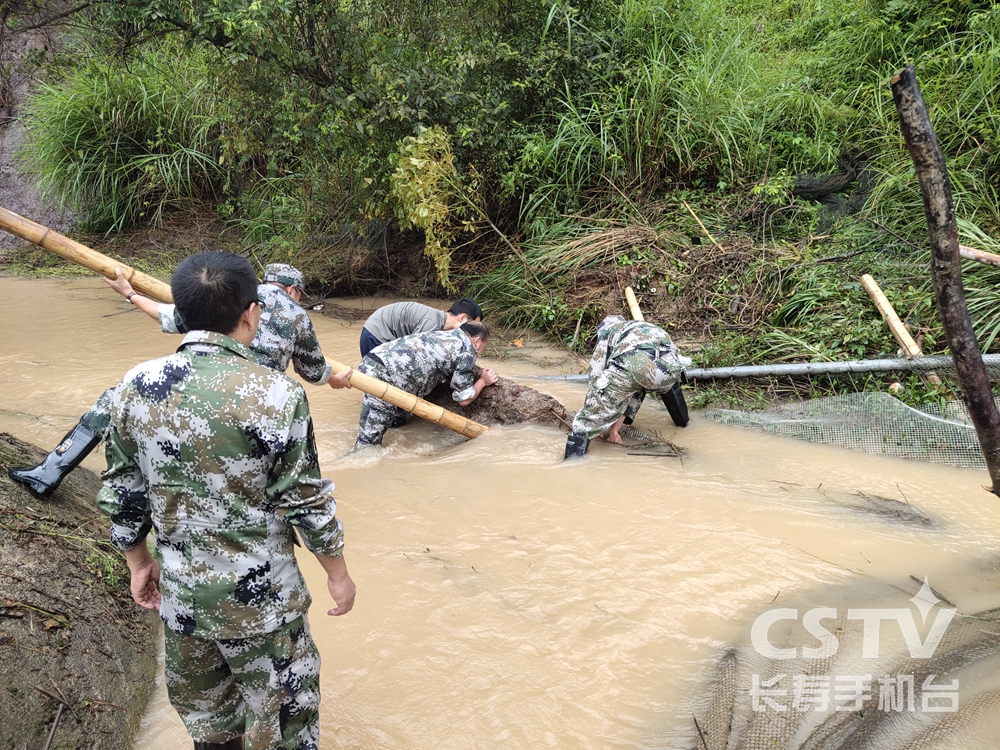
<point x="508" y="599"/>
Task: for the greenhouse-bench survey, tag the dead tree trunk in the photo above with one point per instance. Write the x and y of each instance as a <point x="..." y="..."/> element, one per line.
<point x="946" y="267"/>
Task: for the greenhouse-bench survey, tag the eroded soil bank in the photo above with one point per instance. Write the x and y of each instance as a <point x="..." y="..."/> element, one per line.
<point x="69" y="634"/>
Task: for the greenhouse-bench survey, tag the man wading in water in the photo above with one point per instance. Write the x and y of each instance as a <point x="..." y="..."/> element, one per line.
<point x="286" y="335"/>
<point x="631" y="358"/>
<point x="399" y="319"/>
<point x="216" y="453"/>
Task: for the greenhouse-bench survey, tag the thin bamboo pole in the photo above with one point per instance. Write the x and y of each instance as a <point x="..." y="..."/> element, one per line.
<point x="71" y="250"/>
<point x="411" y="403"/>
<point x="633" y="304"/>
<point x="970" y="253"/>
<point x="899" y="332"/>
<point x="102" y="264"/>
<point x="946" y="266"/>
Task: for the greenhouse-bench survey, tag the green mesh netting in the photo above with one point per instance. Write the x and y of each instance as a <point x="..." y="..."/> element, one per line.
<point x="874" y="423"/>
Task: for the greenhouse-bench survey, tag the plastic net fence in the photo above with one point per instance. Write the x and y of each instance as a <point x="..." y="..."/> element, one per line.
<point x="874" y="423"/>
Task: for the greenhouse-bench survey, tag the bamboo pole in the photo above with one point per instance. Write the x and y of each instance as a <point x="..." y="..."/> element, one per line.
<point x="899" y="332"/>
<point x="411" y="403"/>
<point x="71" y="250"/>
<point x="633" y="304"/>
<point x="970" y="253"/>
<point x="946" y="266"/>
<point x="156" y="289"/>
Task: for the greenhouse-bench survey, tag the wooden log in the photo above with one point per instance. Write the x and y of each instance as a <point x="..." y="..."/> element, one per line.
<point x="74" y="251"/>
<point x="156" y="289"/>
<point x="981" y="256"/>
<point x="946" y="266"/>
<point x="899" y="332"/>
<point x="633" y="304"/>
<point x="411" y="403"/>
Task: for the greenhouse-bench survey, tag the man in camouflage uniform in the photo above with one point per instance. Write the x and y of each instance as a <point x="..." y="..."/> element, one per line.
<point x="285" y="335"/>
<point x="216" y="454"/>
<point x="631" y="358"/>
<point x="417" y="364"/>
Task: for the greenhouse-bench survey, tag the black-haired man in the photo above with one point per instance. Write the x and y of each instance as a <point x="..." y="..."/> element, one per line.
<point x="216" y="453"/>
<point x="400" y="319"/>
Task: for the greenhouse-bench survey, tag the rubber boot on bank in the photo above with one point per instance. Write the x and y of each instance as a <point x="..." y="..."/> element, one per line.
<point x="576" y="446"/>
<point x="676" y="405"/>
<point x="236" y="743"/>
<point x="44" y="478"/>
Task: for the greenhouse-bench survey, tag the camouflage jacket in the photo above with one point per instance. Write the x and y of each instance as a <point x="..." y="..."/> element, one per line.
<point x="641" y="350"/>
<point x="217" y="454"/>
<point x="419" y="362"/>
<point x="285" y="334"/>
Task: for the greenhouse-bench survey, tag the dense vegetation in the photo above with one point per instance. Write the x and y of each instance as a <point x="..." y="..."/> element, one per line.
<point x="551" y="152"/>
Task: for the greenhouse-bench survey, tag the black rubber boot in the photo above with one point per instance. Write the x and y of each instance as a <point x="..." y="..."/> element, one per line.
<point x="44" y="478"/>
<point x="576" y="446"/>
<point x="676" y="405"/>
<point x="236" y="743"/>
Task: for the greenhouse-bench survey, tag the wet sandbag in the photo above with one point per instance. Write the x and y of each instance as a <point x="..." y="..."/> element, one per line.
<point x="506" y="403"/>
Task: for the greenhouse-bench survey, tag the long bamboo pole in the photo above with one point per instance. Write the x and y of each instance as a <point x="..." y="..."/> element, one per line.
<point x="72" y="250"/>
<point x="899" y="332"/>
<point x="411" y="403"/>
<point x="102" y="264"/>
<point x="633" y="304"/>
<point x="946" y="266"/>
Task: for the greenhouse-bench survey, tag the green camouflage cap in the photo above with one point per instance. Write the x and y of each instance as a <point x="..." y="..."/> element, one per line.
<point x="284" y="274"/>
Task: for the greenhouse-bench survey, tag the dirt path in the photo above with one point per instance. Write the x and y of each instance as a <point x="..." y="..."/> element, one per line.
<point x="68" y="634"/>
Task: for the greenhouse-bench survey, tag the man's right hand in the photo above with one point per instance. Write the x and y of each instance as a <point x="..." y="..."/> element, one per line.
<point x="343" y="591"/>
<point x="488" y="376"/>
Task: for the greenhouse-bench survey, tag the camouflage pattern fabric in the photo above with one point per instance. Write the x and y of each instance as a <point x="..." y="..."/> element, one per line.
<point x="264" y="686"/>
<point x="218" y="454"/>
<point x="417" y="364"/>
<point x="285" y="335"/>
<point x="631" y="359"/>
<point x="98" y="417"/>
<point x="284" y="274"/>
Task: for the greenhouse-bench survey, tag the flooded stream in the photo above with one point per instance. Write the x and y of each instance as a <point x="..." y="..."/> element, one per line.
<point x="509" y="600"/>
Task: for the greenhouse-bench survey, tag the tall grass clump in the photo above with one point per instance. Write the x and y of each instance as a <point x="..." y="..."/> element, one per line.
<point x="122" y="143"/>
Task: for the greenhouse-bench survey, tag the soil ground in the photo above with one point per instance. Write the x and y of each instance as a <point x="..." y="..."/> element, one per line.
<point x="69" y="631"/>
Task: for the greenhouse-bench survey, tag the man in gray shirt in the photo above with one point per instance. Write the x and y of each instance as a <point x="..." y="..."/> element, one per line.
<point x="403" y="318"/>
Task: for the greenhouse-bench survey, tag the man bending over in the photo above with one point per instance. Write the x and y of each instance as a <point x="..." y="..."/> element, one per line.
<point x="400" y="319"/>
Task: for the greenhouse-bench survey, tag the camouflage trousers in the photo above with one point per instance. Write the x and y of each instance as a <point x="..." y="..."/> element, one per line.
<point x="265" y="687"/>
<point x="98" y="418"/>
<point x="620" y="388"/>
<point x="377" y="416"/>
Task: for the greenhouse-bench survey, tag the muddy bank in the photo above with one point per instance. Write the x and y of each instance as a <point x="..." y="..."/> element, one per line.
<point x="69" y="632"/>
<point x="506" y="403"/>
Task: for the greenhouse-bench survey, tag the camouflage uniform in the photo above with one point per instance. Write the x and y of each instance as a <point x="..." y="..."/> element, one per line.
<point x="417" y="364"/>
<point x="285" y="334"/>
<point x="631" y="359"/>
<point x="216" y="454"/>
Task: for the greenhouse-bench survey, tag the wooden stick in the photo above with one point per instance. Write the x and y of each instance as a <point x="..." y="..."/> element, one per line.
<point x="411" y="403"/>
<point x="74" y="251"/>
<point x="156" y="289"/>
<point x="633" y="304"/>
<point x="707" y="233"/>
<point x="899" y="332"/>
<point x="946" y="266"/>
<point x="970" y="253"/>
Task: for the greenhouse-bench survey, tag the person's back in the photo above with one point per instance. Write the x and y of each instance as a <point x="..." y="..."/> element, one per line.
<point x="419" y="362"/>
<point x="212" y="432"/>
<point x="399" y="319"/>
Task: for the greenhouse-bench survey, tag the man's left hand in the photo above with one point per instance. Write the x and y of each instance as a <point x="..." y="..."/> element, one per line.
<point x="488" y="376"/>
<point x="143" y="585"/>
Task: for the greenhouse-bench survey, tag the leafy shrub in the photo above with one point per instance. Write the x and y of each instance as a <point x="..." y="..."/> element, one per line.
<point x="122" y="143"/>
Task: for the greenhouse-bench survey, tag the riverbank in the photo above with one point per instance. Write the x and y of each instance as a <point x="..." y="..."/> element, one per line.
<point x="69" y="632"/>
